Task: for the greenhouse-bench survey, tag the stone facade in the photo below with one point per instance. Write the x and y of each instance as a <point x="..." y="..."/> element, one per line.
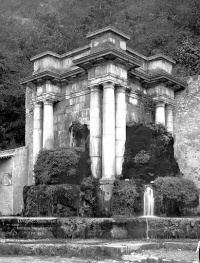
<point x="97" y="85"/>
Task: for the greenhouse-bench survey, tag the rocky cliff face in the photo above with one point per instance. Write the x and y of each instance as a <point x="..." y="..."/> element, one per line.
<point x="149" y="153"/>
<point x="187" y="130"/>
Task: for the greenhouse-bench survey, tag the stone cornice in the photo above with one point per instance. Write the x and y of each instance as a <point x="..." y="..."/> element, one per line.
<point x="105" y="30"/>
<point x="151" y="58"/>
<point x="71" y="73"/>
<point x="176" y="83"/>
<point x="108" y="53"/>
<point x="42" y="76"/>
<point x="67" y="54"/>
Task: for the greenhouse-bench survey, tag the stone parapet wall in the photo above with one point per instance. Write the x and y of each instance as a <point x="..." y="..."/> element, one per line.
<point x="13" y="177"/>
<point x="99" y="228"/>
<point x="20" y="178"/>
<point x="187" y="130"/>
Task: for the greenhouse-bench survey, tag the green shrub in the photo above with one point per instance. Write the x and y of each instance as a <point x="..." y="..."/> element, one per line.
<point x="174" y="194"/>
<point x="61" y="166"/>
<point x="127" y="198"/>
<point x="89" y="197"/>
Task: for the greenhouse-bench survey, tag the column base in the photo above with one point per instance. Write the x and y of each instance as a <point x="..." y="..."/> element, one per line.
<point x="96" y="166"/>
<point x="105" y="197"/>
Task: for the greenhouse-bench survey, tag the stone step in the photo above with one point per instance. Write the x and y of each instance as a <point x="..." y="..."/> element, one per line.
<point x="78" y="248"/>
<point x="147" y="259"/>
<point x="127" y="250"/>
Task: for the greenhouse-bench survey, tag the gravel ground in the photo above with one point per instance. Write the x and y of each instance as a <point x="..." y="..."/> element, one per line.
<point x="171" y="254"/>
<point x="163" y="253"/>
<point x="51" y="260"/>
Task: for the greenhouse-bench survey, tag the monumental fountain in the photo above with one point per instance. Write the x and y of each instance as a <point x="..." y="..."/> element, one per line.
<point x="109" y="88"/>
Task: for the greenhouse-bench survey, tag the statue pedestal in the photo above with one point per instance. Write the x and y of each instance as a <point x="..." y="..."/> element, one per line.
<point x="105" y="196"/>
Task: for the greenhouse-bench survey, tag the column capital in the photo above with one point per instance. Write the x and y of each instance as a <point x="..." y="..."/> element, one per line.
<point x="169" y="106"/>
<point x="108" y="85"/>
<point x="160" y="104"/>
<point x="48" y="102"/>
<point x="37" y="104"/>
<point x="120" y="89"/>
<point x="96" y="88"/>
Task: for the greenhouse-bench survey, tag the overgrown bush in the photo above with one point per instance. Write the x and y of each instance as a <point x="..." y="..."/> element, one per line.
<point x="127" y="198"/>
<point x="61" y="166"/>
<point x="174" y="194"/>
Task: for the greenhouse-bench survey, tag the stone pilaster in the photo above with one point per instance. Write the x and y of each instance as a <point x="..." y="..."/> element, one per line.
<point x="48" y="133"/>
<point x="108" y="140"/>
<point x="37" y="129"/>
<point x="120" y="128"/>
<point x="160" y="113"/>
<point x="95" y="131"/>
<point x="169" y="118"/>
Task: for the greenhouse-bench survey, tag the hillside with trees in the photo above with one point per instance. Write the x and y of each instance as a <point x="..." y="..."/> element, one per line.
<point x="29" y="27"/>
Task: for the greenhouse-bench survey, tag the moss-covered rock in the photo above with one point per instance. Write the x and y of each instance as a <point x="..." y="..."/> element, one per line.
<point x="62" y="200"/>
<point x="80" y="134"/>
<point x="149" y="153"/>
<point x="51" y="200"/>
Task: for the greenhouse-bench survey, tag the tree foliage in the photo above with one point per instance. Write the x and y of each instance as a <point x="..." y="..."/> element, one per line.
<point x="30" y="27"/>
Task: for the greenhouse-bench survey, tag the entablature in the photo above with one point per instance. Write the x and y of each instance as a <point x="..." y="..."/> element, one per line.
<point x="108" y="53"/>
<point x="159" y="77"/>
<point x="58" y="79"/>
<point x="107" y="45"/>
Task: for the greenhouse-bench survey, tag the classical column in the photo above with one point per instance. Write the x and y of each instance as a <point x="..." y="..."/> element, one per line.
<point x="160" y="113"/>
<point x="169" y="118"/>
<point x="37" y="130"/>
<point x="108" y="140"/>
<point x="48" y="133"/>
<point x="120" y="124"/>
<point x="95" y="131"/>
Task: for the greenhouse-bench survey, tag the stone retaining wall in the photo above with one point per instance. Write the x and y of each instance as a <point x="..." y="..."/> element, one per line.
<point x="113" y="228"/>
